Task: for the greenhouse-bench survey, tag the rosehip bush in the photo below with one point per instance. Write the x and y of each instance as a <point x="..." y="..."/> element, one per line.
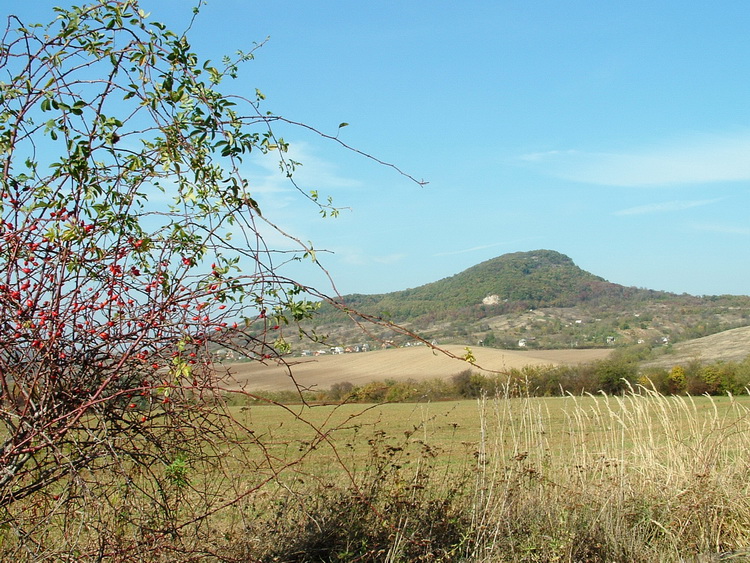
<point x="121" y="199"/>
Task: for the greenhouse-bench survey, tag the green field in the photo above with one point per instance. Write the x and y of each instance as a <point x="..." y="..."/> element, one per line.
<point x="557" y="430"/>
<point x="595" y="478"/>
<point x="642" y="477"/>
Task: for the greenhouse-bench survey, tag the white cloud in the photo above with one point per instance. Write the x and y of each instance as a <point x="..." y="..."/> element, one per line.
<point x="692" y="160"/>
<point x="665" y="207"/>
<point x="546" y="155"/>
<point x="389" y="258"/>
<point x="358" y="257"/>
<point x="466" y="250"/>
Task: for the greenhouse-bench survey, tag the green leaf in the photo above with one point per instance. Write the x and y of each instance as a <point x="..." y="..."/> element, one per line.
<point x="469" y="356"/>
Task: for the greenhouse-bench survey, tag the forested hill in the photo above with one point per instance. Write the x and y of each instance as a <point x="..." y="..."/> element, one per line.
<point x="540" y="298"/>
<point x="521" y="280"/>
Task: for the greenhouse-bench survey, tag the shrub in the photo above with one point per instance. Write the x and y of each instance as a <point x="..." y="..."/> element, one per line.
<point x="340" y="391"/>
<point x="395" y="508"/>
<point x="614" y="375"/>
<point x="468" y="384"/>
<point x="123" y="192"/>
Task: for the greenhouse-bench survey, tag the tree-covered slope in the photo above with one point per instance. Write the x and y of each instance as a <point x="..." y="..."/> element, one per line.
<point x="536" y="279"/>
<point x="543" y="299"/>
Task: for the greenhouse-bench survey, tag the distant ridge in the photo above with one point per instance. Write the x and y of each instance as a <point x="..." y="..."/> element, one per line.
<point x="727" y="346"/>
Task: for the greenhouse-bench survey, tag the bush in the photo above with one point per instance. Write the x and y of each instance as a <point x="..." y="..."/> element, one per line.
<point x="340" y="391"/>
<point x="659" y="380"/>
<point x="614" y="376"/>
<point x="395" y="509"/>
<point x="133" y="254"/>
<point x="470" y="385"/>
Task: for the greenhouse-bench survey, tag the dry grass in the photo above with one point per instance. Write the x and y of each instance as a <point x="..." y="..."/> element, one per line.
<point x="728" y="346"/>
<point x="636" y="478"/>
<point x="640" y="477"/>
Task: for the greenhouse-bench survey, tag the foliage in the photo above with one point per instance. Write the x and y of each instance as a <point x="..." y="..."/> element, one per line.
<point x="468" y="385"/>
<point x="132" y="250"/>
<point x="615" y="375"/>
<point x="177" y="471"/>
<point x="397" y="509"/>
<point x="677" y="378"/>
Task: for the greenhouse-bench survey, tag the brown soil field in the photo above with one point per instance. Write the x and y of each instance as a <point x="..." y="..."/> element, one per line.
<point x="418" y="363"/>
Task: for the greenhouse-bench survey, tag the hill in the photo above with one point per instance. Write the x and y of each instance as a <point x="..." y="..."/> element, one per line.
<point x="517" y="281"/>
<point x="727" y="346"/>
<point x="534" y="300"/>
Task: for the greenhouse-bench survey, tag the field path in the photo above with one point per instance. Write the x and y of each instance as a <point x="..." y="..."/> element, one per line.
<point x="418" y="362"/>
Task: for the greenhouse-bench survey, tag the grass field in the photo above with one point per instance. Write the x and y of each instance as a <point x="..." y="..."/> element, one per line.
<point x="554" y="429"/>
<point x="635" y="478"/>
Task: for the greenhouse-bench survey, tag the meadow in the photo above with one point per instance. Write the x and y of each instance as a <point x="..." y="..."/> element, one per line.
<point x="641" y="477"/>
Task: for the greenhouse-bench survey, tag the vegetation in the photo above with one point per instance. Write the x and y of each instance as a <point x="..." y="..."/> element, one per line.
<point x="615" y="375"/>
<point x="639" y="478"/>
<point x="132" y="247"/>
<point x="642" y="477"/>
<point x="121" y="201"/>
<point x="544" y="299"/>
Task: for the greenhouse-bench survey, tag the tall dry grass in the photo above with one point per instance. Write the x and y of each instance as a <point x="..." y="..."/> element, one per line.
<point x="641" y="477"/>
<point x="635" y="478"/>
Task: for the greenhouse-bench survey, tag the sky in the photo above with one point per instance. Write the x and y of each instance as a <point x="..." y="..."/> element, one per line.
<point x="617" y="133"/>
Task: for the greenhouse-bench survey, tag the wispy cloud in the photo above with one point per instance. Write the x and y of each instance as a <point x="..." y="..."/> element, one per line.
<point x="358" y="257"/>
<point x="389" y="258"/>
<point x="666" y="207"/>
<point x="466" y="250"/>
<point x="691" y="160"/>
<point x="314" y="173"/>
<point x="546" y="156"/>
<point x="722" y="229"/>
<point x="483" y="247"/>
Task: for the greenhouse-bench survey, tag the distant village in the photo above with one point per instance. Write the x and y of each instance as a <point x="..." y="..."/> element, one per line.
<point x="338" y="350"/>
<point x="226" y="354"/>
<point x="358" y="348"/>
<point x="523" y="343"/>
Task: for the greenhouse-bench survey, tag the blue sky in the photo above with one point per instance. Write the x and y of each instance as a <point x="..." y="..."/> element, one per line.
<point x="616" y="133"/>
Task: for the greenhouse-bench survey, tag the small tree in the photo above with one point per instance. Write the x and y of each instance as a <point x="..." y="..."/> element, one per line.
<point x="614" y="375"/>
<point x="676" y="380"/>
<point x="132" y="249"/>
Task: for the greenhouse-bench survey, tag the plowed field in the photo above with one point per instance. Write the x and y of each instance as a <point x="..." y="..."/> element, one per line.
<point x="417" y="363"/>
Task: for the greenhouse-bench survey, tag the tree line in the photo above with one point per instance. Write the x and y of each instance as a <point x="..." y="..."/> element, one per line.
<point x="615" y="375"/>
